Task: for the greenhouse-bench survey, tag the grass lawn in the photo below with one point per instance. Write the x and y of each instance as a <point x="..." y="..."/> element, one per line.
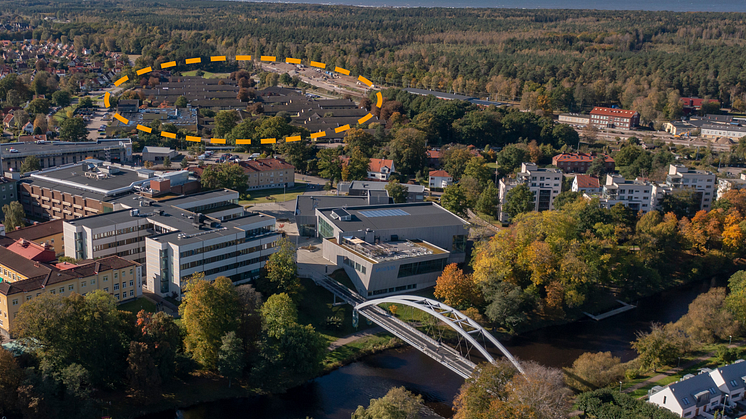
<point x="207" y="74"/>
<point x="358" y="349"/>
<point x="137" y="305"/>
<point x="316" y="306"/>
<point x="61" y="115"/>
<point x="274" y="195"/>
<point x="491" y="165"/>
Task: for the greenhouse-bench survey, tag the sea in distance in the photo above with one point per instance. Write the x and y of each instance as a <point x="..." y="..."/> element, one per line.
<point x="655" y="5"/>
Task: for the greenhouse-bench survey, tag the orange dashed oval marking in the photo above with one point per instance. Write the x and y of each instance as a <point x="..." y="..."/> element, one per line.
<point x="269" y="58"/>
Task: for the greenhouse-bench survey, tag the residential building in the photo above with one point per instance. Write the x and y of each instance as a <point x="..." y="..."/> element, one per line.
<point x="158" y="155"/>
<point x="440" y="179"/>
<point x="726" y="184"/>
<point x="574" y="119"/>
<point x="580" y="162"/>
<point x="175" y="238"/>
<point x="380" y="169"/>
<point x="415" y="193"/>
<point x="731" y="380"/>
<point x="730" y="131"/>
<point x="92" y="187"/>
<point x="585" y="184"/>
<point x="637" y="195"/>
<point x="23" y="280"/>
<point x="269" y="173"/>
<point x="58" y="153"/>
<point x="692" y="396"/>
<point x="545" y="184"/>
<point x="695" y="103"/>
<point x="433" y="157"/>
<point x="45" y="234"/>
<point x="614" y="118"/>
<point x="181" y="118"/>
<point x="702" y="182"/>
<point x="389" y="249"/>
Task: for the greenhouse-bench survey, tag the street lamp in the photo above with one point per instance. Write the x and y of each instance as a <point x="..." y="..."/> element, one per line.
<point x="620" y="386"/>
<point x="730" y="340"/>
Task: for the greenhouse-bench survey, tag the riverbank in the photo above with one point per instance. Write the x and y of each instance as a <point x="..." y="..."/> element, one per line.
<point x="205" y="387"/>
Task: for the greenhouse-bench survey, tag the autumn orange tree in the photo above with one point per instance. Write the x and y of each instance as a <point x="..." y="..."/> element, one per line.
<point x="457" y="289"/>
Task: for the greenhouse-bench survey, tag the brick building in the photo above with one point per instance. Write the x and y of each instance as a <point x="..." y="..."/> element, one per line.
<point x="614" y="118"/>
<point x="579" y="162"/>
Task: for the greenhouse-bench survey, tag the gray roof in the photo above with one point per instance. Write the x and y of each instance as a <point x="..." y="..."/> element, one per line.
<point x="161" y="150"/>
<point x="73" y="176"/>
<point x="306" y="204"/>
<point x="724" y="127"/>
<point x="439" y="95"/>
<point x="733" y="375"/>
<point x="392" y="216"/>
<point x="694" y="391"/>
<point x="57" y="147"/>
<point x="373" y="185"/>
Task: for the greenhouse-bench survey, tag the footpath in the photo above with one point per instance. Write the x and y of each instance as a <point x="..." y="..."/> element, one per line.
<point x="355" y="336"/>
<point x="677" y="370"/>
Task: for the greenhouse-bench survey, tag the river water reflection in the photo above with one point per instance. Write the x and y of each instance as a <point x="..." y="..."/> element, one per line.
<point x="336" y="395"/>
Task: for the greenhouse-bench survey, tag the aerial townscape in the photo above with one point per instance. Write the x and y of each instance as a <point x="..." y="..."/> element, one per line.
<point x="413" y="210"/>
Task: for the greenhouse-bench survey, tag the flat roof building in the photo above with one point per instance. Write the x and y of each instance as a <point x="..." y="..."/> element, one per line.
<point x="388" y="249"/>
<point x="702" y="182"/>
<point x="175" y="238"/>
<point x="58" y="153"/>
<point x="545" y="184"/>
<point x="415" y="193"/>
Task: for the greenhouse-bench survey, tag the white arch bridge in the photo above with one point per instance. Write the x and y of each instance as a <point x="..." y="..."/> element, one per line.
<point x="470" y="334"/>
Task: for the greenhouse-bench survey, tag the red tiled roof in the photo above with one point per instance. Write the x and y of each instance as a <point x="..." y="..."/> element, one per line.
<point x="32" y="251"/>
<point x="585" y="182"/>
<point x="434" y="154"/>
<point x="266" y="165"/>
<point x="613" y="112"/>
<point x="32" y="138"/>
<point x="439" y="173"/>
<point x="377" y="164"/>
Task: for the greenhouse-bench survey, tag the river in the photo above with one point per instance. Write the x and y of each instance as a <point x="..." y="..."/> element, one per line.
<point x="336" y="395"/>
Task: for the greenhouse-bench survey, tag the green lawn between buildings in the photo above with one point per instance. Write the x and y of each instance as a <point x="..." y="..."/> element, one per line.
<point x="137" y="305"/>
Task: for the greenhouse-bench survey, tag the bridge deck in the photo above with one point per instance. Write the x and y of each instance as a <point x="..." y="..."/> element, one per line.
<point x="445" y="355"/>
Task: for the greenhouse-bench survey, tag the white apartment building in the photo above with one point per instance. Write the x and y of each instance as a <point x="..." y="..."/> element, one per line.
<point x="725" y="184"/>
<point x="703" y="182"/>
<point x="545" y="184"/>
<point x="440" y="179"/>
<point x="636" y="195"/>
<point x="172" y="239"/>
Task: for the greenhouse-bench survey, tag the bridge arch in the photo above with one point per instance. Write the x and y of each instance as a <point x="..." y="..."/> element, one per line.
<point x="456" y="320"/>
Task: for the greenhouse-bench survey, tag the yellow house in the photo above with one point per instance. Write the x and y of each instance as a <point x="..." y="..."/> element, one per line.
<point x="49" y="233"/>
<point x="23" y="280"/>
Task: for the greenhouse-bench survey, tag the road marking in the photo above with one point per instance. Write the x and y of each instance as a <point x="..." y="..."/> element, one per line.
<point x="243" y="57"/>
<point x="144" y="128"/>
<point x="291" y="139"/>
<point x="168" y="64"/>
<point x="217" y="58"/>
<point x="364" y="80"/>
<point x="145" y="70"/>
<point x="342" y="128"/>
<point x="318" y="134"/>
<point x="106" y="100"/>
<point x="268" y="58"/>
<point x="193" y="60"/>
<point x="168" y="134"/>
<point x="268" y="140"/>
<point x="194" y="139"/>
<point x="121" y="119"/>
<point x="243" y="142"/>
<point x="217" y="140"/>
<point x="292" y="60"/>
<point x="342" y="70"/>
<point x="120" y="81"/>
<point x="318" y="64"/>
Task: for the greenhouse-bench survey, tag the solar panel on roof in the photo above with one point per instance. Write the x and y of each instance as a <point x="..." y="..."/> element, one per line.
<point x="383" y="213"/>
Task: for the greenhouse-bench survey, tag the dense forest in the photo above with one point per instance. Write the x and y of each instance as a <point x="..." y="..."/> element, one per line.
<point x="564" y="60"/>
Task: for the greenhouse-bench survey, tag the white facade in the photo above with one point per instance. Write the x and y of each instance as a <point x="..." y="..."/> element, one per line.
<point x="545" y="184"/>
<point x="590" y="190"/>
<point x="440" y="181"/>
<point x="712" y="131"/>
<point x="724" y="185"/>
<point x="703" y="182"/>
<point x="636" y="195"/>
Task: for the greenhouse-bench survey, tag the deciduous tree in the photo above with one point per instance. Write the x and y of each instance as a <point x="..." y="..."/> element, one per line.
<point x="398" y="403"/>
<point x="73" y="129"/>
<point x="454" y="199"/>
<point x="396" y="191"/>
<point x="281" y="270"/>
<point x="231" y="360"/>
<point x="457" y="289"/>
<point x="518" y="200"/>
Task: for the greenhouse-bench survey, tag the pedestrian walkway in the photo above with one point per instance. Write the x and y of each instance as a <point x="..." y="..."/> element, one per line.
<point x="162" y="304"/>
<point x="676" y="370"/>
<point x="355" y="336"/>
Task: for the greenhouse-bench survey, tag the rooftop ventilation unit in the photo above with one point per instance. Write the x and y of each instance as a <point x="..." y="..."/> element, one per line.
<point x="342" y="215"/>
